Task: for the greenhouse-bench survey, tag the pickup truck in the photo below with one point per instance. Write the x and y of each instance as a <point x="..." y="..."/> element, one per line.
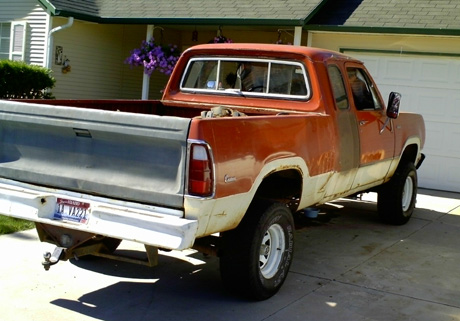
<point x="244" y="136"/>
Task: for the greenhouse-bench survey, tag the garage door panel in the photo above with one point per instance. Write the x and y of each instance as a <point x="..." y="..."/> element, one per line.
<point x="440" y="173"/>
<point x="434" y="74"/>
<point x="443" y="140"/>
<point x="429" y="172"/>
<point x="434" y="143"/>
<point x="431" y="104"/>
<point x="398" y="72"/>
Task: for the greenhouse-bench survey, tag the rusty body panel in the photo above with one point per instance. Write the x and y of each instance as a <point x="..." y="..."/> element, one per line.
<point x="242" y="147"/>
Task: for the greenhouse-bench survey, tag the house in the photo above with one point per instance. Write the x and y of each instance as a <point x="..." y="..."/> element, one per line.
<point x="412" y="46"/>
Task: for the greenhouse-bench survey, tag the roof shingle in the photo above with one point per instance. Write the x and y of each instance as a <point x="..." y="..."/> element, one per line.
<point x="296" y="10"/>
<point x="426" y="14"/>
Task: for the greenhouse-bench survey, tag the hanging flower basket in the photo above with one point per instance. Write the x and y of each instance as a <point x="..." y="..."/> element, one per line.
<point x="154" y="57"/>
<point x="222" y="39"/>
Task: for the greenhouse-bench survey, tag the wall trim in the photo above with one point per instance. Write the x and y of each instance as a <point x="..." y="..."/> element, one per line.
<point x="401" y="52"/>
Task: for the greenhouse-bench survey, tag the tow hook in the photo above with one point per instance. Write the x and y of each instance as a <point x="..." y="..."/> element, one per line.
<point x="51" y="259"/>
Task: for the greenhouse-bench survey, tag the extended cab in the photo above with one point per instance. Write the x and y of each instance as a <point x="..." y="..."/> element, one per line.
<point x="244" y="136"/>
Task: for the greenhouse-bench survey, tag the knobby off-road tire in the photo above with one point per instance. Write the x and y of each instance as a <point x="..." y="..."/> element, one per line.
<point x="256" y="256"/>
<point x="396" y="199"/>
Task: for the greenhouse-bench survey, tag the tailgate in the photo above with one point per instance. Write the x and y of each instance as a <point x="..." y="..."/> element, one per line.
<point x="121" y="155"/>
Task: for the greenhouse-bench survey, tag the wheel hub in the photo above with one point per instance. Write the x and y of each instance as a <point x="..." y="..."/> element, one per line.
<point x="271" y="251"/>
<point x="408" y="189"/>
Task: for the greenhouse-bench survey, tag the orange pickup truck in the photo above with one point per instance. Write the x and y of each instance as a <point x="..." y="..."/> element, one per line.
<point x="244" y="136"/>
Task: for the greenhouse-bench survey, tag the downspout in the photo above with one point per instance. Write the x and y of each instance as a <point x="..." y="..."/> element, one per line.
<point x="50" y="40"/>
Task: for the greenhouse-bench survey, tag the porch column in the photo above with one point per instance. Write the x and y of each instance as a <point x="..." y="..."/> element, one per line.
<point x="146" y="79"/>
<point x="297" y="36"/>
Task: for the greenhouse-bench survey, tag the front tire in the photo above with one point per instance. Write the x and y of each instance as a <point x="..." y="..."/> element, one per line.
<point x="396" y="199"/>
<point x="256" y="256"/>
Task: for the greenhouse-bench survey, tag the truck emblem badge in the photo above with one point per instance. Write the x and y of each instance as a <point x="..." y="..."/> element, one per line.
<point x="229" y="179"/>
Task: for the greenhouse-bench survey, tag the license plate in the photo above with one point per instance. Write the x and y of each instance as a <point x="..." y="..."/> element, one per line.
<point x="72" y="211"/>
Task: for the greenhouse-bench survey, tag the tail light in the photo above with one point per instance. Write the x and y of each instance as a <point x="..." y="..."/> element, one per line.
<point x="200" y="173"/>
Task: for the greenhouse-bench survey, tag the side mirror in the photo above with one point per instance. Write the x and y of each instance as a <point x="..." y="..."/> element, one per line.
<point x="393" y="105"/>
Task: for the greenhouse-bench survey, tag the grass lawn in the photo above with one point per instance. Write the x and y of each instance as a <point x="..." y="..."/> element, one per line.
<point x="10" y="225"/>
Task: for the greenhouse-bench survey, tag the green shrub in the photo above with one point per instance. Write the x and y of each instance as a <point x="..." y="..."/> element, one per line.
<point x="10" y="225"/>
<point x="20" y="80"/>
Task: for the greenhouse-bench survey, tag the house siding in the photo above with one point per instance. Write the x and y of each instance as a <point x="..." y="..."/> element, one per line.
<point x="37" y="26"/>
<point x="97" y="53"/>
<point x="400" y="43"/>
<point x="94" y="53"/>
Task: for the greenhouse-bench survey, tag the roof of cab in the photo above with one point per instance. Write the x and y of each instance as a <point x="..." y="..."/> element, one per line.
<point x="269" y="50"/>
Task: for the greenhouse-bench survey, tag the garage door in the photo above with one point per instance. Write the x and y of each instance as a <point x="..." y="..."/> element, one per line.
<point x="430" y="85"/>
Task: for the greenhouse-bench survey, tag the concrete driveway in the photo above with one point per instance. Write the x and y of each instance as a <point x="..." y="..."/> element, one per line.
<point x="347" y="266"/>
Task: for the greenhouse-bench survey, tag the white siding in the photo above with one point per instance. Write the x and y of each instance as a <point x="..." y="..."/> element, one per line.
<point x="37" y="21"/>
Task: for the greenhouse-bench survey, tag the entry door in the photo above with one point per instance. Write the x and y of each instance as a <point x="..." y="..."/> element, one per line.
<point x="430" y="85"/>
<point x="376" y="139"/>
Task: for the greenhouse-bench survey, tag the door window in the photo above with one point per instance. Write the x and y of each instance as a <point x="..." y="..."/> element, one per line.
<point x="365" y="95"/>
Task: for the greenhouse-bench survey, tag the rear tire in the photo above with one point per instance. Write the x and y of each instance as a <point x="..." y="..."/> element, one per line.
<point x="397" y="198"/>
<point x="256" y="256"/>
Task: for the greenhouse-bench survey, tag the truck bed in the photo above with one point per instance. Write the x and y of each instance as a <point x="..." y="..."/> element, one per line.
<point x="136" y="156"/>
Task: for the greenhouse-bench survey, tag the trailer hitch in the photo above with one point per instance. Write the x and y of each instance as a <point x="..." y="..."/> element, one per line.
<point x="51" y="259"/>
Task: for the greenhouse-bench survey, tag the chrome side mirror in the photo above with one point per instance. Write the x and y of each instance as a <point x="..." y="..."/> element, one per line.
<point x="393" y="105"/>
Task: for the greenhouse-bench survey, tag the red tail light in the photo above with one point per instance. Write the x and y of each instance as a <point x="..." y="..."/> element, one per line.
<point x="200" y="174"/>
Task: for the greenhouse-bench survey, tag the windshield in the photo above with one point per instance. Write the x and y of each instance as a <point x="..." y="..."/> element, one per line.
<point x="257" y="77"/>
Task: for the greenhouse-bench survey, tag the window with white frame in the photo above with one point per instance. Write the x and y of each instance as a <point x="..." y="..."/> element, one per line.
<point x="18" y="40"/>
<point x="251" y="76"/>
<point x="5" y="31"/>
<point x="13" y="40"/>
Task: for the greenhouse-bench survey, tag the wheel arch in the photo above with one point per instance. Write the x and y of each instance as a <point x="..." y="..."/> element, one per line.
<point x="412" y="153"/>
<point x="282" y="185"/>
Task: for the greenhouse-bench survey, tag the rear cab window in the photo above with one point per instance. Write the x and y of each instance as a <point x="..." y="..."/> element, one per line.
<point x="251" y="77"/>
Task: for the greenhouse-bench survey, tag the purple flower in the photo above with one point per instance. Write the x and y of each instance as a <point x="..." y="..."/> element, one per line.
<point x="154" y="57"/>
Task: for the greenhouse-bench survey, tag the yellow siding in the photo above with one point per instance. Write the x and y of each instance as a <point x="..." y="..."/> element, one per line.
<point x="97" y="54"/>
<point x="400" y="43"/>
<point x="94" y="52"/>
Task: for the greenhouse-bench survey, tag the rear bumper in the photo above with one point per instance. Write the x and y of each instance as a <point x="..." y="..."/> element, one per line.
<point x="157" y="226"/>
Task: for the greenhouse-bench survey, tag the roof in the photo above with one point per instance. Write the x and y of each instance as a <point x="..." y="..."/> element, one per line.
<point x="416" y="16"/>
<point x="440" y="17"/>
<point x="266" y="50"/>
<point x="236" y="12"/>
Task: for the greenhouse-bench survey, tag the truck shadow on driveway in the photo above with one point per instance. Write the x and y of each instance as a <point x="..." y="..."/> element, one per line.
<point x="346" y="248"/>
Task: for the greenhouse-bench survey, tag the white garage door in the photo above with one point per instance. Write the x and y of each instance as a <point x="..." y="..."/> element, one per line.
<point x="430" y="85"/>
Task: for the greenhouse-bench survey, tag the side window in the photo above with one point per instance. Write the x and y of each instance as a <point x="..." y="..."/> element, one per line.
<point x="338" y="87"/>
<point x="18" y="41"/>
<point x="202" y="74"/>
<point x="365" y="95"/>
<point x="5" y="40"/>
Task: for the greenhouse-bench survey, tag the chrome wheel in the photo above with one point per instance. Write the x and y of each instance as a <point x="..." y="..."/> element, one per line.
<point x="407" y="193"/>
<point x="271" y="250"/>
